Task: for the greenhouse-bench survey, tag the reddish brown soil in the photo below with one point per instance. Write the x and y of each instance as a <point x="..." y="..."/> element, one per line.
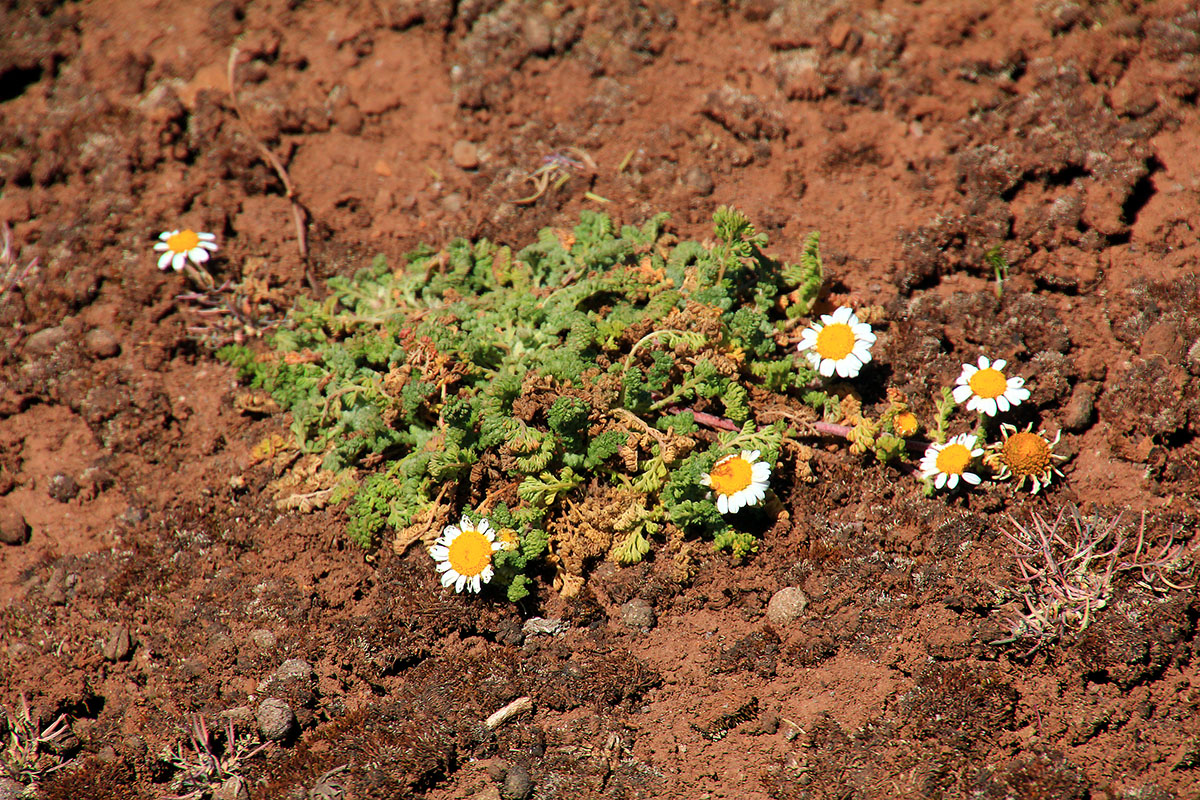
<point x="914" y="136"/>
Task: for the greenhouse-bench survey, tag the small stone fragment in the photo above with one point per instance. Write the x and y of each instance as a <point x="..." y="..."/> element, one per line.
<point x="263" y="639"/>
<point x="517" y="783"/>
<point x="786" y="606"/>
<point x="348" y="119"/>
<point x="698" y="181"/>
<point x="232" y="789"/>
<point x="46" y="341"/>
<point x="101" y="343"/>
<point x="11" y="790"/>
<point x="63" y="487"/>
<point x="275" y="719"/>
<point x="464" y="154"/>
<point x="119" y="645"/>
<point x="294" y="669"/>
<point x="1081" y="408"/>
<point x="14" y="530"/>
<point x="1193" y="358"/>
<point x="638" y="614"/>
<point x="540" y="625"/>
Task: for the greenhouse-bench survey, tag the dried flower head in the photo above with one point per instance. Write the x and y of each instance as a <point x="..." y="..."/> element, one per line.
<point x="464" y="554"/>
<point x="738" y="481"/>
<point x="985" y="388"/>
<point x="947" y="463"/>
<point x="179" y="247"/>
<point x="840" y="343"/>
<point x="1025" y="455"/>
<point x="905" y="424"/>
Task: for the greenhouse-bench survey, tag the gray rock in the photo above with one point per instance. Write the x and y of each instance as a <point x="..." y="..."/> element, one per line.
<point x="638" y="614"/>
<point x="275" y="719"/>
<point x="119" y="645"/>
<point x="294" y="669"/>
<point x="786" y="606"/>
<point x="101" y="343"/>
<point x="63" y="487"/>
<point x="11" y="790"/>
<point x="14" y="529"/>
<point x="232" y="789"/>
<point x="263" y="639"/>
<point x="548" y="627"/>
<point x="517" y="783"/>
<point x="46" y="341"/>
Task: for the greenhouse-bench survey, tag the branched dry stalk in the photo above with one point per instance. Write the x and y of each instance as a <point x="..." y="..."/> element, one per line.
<point x="12" y="274"/>
<point x="26" y="741"/>
<point x="226" y="314"/>
<point x="1068" y="573"/>
<point x="208" y="764"/>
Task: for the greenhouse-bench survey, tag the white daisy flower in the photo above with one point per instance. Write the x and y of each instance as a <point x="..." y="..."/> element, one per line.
<point x="838" y="343"/>
<point x="947" y="463"/>
<point x="738" y="481"/>
<point x="464" y="554"/>
<point x="179" y="247"/>
<point x="986" y="390"/>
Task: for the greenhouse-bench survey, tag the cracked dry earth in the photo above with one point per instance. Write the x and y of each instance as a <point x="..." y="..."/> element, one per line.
<point x="147" y="578"/>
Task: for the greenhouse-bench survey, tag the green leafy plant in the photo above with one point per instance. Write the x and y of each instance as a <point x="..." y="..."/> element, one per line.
<point x="586" y="360"/>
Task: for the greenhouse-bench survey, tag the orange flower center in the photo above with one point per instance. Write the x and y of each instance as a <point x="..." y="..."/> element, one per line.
<point x="183" y="241"/>
<point x="835" y="341"/>
<point x="1026" y="454"/>
<point x="905" y="424"/>
<point x="988" y="383"/>
<point x="953" y="459"/>
<point x="730" y="475"/>
<point x="470" y="553"/>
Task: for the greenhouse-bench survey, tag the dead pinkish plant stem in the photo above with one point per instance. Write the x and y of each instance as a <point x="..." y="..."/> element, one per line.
<point x="299" y="213"/>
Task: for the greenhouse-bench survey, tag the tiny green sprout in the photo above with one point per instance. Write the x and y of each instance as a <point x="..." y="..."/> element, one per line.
<point x="994" y="256"/>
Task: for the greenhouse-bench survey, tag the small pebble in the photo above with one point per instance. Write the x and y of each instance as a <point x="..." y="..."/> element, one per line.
<point x="698" y="181"/>
<point x="540" y="625"/>
<point x="63" y="487"/>
<point x="232" y="789"/>
<point x="294" y="669"/>
<point x="275" y="719"/>
<point x="14" y="530"/>
<point x="101" y="343"/>
<point x="464" y="154"/>
<point x="638" y="614"/>
<point x="119" y="645"/>
<point x="11" y="790"/>
<point x="517" y="783"/>
<point x="348" y="119"/>
<point x="263" y="639"/>
<point x="1081" y="408"/>
<point x="786" y="606"/>
<point x="46" y="341"/>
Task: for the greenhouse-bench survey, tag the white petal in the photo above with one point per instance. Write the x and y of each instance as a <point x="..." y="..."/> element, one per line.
<point x="484" y="527"/>
<point x="706" y="479"/>
<point x="442" y="566"/>
<point x="486" y="575"/>
<point x="167" y="235"/>
<point x="451" y="532"/>
<point x="967" y="372"/>
<point x="988" y="405"/>
<point x="848" y="367"/>
<point x="439" y="552"/>
<point x="751" y="455"/>
<point x="164" y="260"/>
<point x="723" y="503"/>
<point x="827" y="367"/>
<point x="209" y="246"/>
<point x="941" y="480"/>
<point x="178" y="260"/>
<point x="952" y="480"/>
<point x="160" y="246"/>
<point x="1016" y="382"/>
<point x="843" y="314"/>
<point x="999" y="364"/>
<point x="198" y="255"/>
<point x="460" y="583"/>
<point x="476" y="586"/>
<point x="983" y="362"/>
<point x="814" y="360"/>
<point x="1002" y="403"/>
<point x="449" y="578"/>
<point x="971" y="478"/>
<point x="207" y="236"/>
<point x="961" y="393"/>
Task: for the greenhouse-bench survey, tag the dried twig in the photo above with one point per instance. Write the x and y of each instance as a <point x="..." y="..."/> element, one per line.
<point x="299" y="213"/>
